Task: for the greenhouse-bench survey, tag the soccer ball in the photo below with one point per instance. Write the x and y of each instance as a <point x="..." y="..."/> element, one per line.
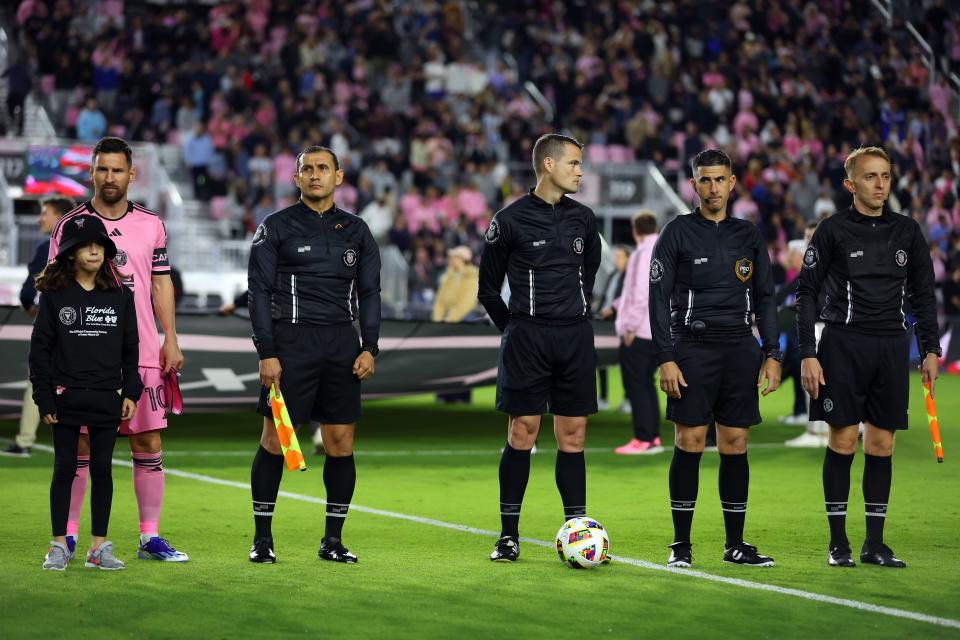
<point x="582" y="543"/>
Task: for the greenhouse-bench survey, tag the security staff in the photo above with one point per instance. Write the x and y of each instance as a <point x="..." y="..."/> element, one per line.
<point x="869" y="261"/>
<point x="709" y="274"/>
<point x="548" y="247"/>
<point x="306" y="262"/>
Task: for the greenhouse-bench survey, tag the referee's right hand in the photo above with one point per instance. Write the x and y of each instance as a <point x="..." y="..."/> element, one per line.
<point x="270" y="371"/>
<point x="671" y="379"/>
<point x="811" y="376"/>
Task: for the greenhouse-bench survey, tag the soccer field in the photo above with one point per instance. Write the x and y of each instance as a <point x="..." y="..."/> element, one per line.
<point x="424" y="519"/>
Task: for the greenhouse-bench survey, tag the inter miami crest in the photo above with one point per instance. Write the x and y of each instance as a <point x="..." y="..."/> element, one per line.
<point x="578" y="245"/>
<point x="493" y="232"/>
<point x="901" y="258"/>
<point x="656" y="270"/>
<point x="120" y="259"/>
<point x="744" y="269"/>
<point x="68" y="315"/>
<point x="349" y="257"/>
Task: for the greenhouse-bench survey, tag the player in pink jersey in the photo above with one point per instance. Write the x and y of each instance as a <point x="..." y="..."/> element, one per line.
<point x="141" y="241"/>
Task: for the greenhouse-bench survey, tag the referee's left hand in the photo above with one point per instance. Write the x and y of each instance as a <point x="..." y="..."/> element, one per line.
<point x="363" y="366"/>
<point x="929" y="370"/>
<point x="770" y="372"/>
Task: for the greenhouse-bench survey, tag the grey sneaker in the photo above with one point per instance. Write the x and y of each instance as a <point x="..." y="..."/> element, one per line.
<point x="102" y="557"/>
<point x="57" y="557"/>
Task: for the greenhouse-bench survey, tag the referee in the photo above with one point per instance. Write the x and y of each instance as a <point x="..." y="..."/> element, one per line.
<point x="709" y="274"/>
<point x="548" y="247"/>
<point x="306" y="263"/>
<point x="868" y="261"/>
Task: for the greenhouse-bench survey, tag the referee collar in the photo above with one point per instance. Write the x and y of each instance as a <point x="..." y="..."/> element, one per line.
<point x="303" y="206"/>
<point x="540" y="202"/>
<point x="885" y="216"/>
<point x="699" y="217"/>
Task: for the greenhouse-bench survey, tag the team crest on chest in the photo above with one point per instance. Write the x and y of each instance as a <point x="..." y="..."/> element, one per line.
<point x="578" y="245"/>
<point x="120" y="259"/>
<point x="68" y="315"/>
<point x="744" y="269"/>
<point x="656" y="270"/>
<point x="349" y="257"/>
<point x="901" y="258"/>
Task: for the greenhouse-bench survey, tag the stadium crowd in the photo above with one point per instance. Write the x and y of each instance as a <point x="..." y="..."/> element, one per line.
<point x="424" y="102"/>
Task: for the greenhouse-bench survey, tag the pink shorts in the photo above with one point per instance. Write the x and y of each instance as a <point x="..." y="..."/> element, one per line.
<point x="151" y="412"/>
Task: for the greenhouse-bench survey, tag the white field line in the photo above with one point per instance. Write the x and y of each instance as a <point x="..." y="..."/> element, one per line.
<point x="643" y="564"/>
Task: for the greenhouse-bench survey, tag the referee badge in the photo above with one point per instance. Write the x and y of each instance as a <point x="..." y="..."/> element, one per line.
<point x="349" y="257"/>
<point x="901" y="258"/>
<point x="810" y="257"/>
<point x="578" y="245"/>
<point x="260" y="235"/>
<point x="656" y="270"/>
<point x="744" y="269"/>
<point x="493" y="232"/>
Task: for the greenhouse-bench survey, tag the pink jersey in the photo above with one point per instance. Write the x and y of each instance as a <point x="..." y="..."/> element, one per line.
<point x="141" y="241"/>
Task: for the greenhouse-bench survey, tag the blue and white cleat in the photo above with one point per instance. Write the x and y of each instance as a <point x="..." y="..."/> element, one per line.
<point x="157" y="548"/>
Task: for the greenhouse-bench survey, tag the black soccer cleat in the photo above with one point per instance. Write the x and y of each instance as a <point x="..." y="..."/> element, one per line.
<point x="506" y="550"/>
<point x="746" y="554"/>
<point x="333" y="550"/>
<point x="261" y="551"/>
<point x="681" y="555"/>
<point x="880" y="554"/>
<point x="840" y="556"/>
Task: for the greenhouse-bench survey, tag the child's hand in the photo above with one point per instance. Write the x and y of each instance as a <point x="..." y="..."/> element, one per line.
<point x="50" y="418"/>
<point x="129" y="408"/>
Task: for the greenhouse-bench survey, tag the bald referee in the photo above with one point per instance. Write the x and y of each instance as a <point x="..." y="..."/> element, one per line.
<point x="306" y="264"/>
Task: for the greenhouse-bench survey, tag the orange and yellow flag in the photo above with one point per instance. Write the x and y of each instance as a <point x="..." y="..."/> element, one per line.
<point x="285" y="431"/>
<point x="932" y="422"/>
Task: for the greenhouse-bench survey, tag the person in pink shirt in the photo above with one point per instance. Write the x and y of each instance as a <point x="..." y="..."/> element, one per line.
<point x="637" y="353"/>
<point x="141" y="241"/>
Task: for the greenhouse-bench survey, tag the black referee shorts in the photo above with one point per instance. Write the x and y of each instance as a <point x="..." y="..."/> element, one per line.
<point x="868" y="379"/>
<point x="547" y="369"/>
<point x="721" y="382"/>
<point x="317" y="382"/>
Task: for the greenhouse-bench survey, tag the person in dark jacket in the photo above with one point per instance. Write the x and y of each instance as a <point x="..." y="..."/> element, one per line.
<point x="547" y="245"/>
<point x="709" y="274"/>
<point x="869" y="261"/>
<point x="83" y="366"/>
<point x="51" y="210"/>
<point x="307" y="263"/>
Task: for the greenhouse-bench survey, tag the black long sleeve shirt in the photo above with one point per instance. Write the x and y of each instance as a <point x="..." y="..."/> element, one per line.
<point x="84" y="340"/>
<point x="867" y="266"/>
<point x="28" y="292"/>
<point x="715" y="272"/>
<point x="548" y="253"/>
<point x="305" y="268"/>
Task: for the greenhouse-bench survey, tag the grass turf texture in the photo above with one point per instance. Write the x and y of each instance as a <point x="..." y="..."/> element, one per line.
<point x="417" y="581"/>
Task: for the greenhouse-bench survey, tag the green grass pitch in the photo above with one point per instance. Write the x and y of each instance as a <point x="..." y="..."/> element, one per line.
<point x="416" y="579"/>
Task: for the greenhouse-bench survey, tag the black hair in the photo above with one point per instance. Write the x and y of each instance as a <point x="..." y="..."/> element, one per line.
<point x="644" y="223"/>
<point x="111" y="144"/>
<point x="711" y="158"/>
<point x="550" y="145"/>
<point x="59" y="273"/>
<point x="317" y="148"/>
<point x="60" y="204"/>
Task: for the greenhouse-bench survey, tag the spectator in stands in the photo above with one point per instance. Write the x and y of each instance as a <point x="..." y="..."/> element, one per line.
<point x="422" y="279"/>
<point x="19" y="83"/>
<point x="198" y="154"/>
<point x="456" y="296"/>
<point x="91" y="123"/>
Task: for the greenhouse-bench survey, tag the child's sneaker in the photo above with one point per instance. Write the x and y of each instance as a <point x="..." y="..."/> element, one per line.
<point x="101" y="557"/>
<point x="57" y="557"/>
<point x="157" y="548"/>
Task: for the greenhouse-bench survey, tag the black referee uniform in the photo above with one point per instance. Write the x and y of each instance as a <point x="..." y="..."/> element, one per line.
<point x="869" y="268"/>
<point x="707" y="280"/>
<point x="550" y="255"/>
<point x="306" y="268"/>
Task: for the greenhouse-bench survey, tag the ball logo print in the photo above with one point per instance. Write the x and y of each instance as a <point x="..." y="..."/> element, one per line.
<point x="827" y="405"/>
<point x="744" y="269"/>
<point x="583" y="543"/>
<point x="349" y="257"/>
<point x="68" y="315"/>
<point x="260" y="235"/>
<point x="656" y="270"/>
<point x="120" y="259"/>
<point x="578" y="245"/>
<point x="493" y="232"/>
<point x="810" y="257"/>
<point x="901" y="258"/>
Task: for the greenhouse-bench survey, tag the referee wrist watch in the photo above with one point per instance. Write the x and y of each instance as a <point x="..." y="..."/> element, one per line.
<point x="775" y="354"/>
<point x="372" y="350"/>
